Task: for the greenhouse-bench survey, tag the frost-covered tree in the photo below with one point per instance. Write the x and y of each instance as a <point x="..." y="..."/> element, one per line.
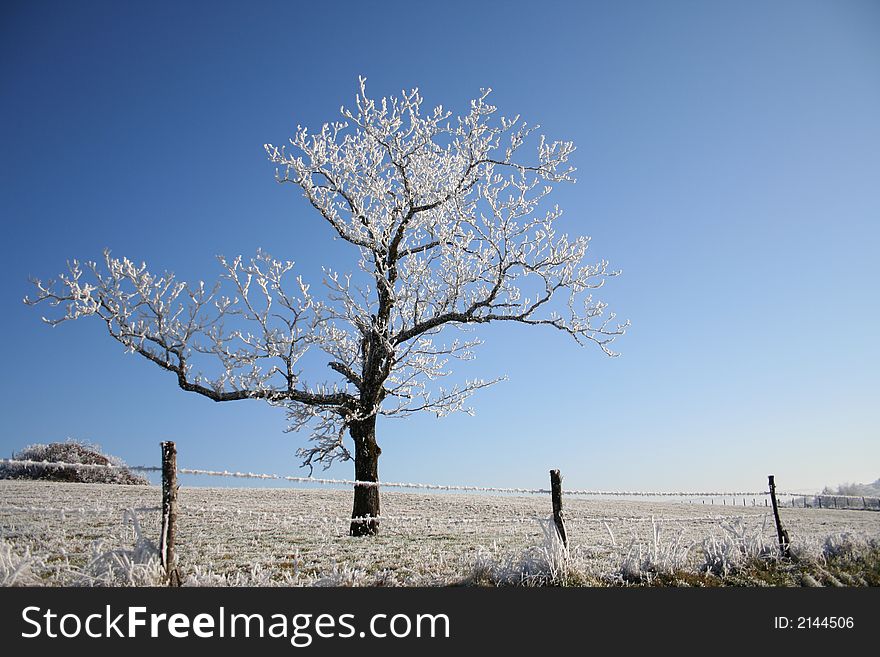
<point x="449" y="227"/>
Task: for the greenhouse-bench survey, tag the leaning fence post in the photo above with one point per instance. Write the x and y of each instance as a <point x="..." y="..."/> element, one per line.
<point x="556" y="496"/>
<point x="780" y="532"/>
<point x="169" y="513"/>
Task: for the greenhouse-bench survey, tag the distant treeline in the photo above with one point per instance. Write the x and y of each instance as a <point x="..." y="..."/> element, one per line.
<point x="868" y="490"/>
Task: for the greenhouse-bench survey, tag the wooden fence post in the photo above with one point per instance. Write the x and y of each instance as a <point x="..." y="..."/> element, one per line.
<point x="780" y="532"/>
<point x="556" y="496"/>
<point x="169" y="513"/>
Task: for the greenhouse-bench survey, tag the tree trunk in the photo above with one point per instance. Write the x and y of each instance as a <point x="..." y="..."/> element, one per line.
<point x="366" y="468"/>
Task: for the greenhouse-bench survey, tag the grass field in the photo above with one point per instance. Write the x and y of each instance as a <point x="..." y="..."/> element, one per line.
<point x="81" y="534"/>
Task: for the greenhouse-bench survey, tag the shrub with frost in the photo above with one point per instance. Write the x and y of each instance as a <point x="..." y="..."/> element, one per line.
<point x="71" y="453"/>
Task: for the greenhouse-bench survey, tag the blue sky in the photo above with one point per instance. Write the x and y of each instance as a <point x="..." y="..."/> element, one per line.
<point x="728" y="161"/>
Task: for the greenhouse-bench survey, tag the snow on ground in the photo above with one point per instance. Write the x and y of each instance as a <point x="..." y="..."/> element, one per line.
<point x="56" y="533"/>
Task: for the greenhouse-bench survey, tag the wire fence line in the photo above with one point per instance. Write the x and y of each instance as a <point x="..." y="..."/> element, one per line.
<point x="597" y="518"/>
<point x="367" y="484"/>
<point x="170" y="470"/>
<point x="573" y="517"/>
<point x="78" y="466"/>
<point x="86" y="510"/>
<point x="380" y="518"/>
<point x="425" y="486"/>
<point x="463" y="487"/>
<point x="489" y="521"/>
<point x="507" y="518"/>
<point x="483" y="519"/>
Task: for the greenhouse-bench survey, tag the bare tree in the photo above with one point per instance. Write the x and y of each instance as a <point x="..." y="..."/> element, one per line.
<point x="449" y="226"/>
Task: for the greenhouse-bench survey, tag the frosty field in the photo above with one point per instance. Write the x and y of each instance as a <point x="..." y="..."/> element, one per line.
<point x="82" y="534"/>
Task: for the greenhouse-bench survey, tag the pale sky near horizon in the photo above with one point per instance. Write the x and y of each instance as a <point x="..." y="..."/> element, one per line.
<point x="728" y="162"/>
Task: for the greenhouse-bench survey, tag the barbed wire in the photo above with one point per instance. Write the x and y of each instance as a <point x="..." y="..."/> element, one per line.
<point x="233" y="511"/>
<point x="385" y="518"/>
<point x="79" y="466"/>
<point x="454" y="520"/>
<point x="460" y="487"/>
<point x="613" y="493"/>
<point x="78" y="510"/>
<point x="366" y="484"/>
<point x="718" y="518"/>
<point x="423" y="486"/>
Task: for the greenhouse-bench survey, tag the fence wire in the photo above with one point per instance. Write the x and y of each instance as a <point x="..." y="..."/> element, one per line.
<point x="424" y="486"/>
<point x="79" y="466"/>
<point x="520" y="519"/>
<point x="78" y="510"/>
<point x="467" y="488"/>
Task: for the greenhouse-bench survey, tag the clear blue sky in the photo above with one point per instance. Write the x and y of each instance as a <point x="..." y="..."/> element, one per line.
<point x="728" y="161"/>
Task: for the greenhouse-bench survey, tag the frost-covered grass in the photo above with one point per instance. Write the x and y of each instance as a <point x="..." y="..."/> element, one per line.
<point x="261" y="537"/>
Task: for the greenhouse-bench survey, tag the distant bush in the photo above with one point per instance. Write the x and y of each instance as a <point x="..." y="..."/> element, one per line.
<point x="71" y="451"/>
